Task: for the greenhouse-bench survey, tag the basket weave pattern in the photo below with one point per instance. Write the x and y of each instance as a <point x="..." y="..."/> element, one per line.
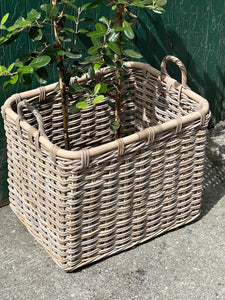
<point x="105" y="196"/>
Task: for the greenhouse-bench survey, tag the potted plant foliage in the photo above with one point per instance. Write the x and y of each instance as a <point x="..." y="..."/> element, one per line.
<point x="112" y="154"/>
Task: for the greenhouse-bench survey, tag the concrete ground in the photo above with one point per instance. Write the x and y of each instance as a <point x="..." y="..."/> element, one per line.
<point x="188" y="263"/>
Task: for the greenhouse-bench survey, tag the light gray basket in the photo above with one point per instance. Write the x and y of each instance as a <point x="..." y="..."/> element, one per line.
<point x="105" y="196"/>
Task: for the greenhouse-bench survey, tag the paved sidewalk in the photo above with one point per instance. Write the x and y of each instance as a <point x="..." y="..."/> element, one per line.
<point x="188" y="263"/>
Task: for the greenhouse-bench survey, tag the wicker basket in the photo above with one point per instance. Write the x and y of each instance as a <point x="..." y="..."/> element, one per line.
<point x="105" y="196"/>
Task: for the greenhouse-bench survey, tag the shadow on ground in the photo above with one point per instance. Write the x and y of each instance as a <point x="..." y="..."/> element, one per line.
<point x="214" y="182"/>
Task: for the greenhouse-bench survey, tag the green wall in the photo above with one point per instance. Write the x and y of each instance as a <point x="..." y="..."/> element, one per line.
<point x="194" y="31"/>
<point x="191" y="30"/>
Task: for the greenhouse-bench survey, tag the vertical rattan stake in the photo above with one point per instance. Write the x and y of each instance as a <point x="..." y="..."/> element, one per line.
<point x="62" y="86"/>
<point x="120" y="11"/>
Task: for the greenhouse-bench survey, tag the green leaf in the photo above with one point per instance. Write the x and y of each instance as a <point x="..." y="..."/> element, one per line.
<point x="82" y="30"/>
<point x="57" y="87"/>
<point x="18" y="63"/>
<point x="93" y="58"/>
<point x="100" y="28"/>
<point x="97" y="65"/>
<point x="73" y="109"/>
<point x="3" y="70"/>
<point x="10" y="67"/>
<point x="93" y="50"/>
<point x="159" y="10"/>
<point x="114" y="47"/>
<point x="19" y="24"/>
<point x="35" y="33"/>
<point x="145" y="2"/>
<point x="50" y="10"/>
<point x="125" y="2"/>
<point x="114" y="37"/>
<point x="41" y="75"/>
<point x="12" y="28"/>
<point x="128" y="30"/>
<point x="59" y="52"/>
<point x="64" y="37"/>
<point x="27" y="80"/>
<point x="9" y="38"/>
<point x="119" y="28"/>
<point x="68" y="1"/>
<point x="82" y="104"/>
<point x="72" y="5"/>
<point x="5" y="38"/>
<point x="97" y="88"/>
<point x="115" y="125"/>
<point x="25" y="58"/>
<point x="33" y="15"/>
<point x="126" y="131"/>
<point x="130" y="14"/>
<point x="75" y="88"/>
<point x="6" y="85"/>
<point x="4" y="18"/>
<point x="96" y="42"/>
<point x="84" y="7"/>
<point x="95" y="4"/>
<point x="126" y="95"/>
<point x="73" y="55"/>
<point x="13" y="79"/>
<point x="98" y="99"/>
<point x="87" y="20"/>
<point x="72" y="18"/>
<point x="108" y="61"/>
<point x="161" y="2"/>
<point x="91" y="72"/>
<point x="132" y="53"/>
<point x="68" y="30"/>
<point x="95" y="34"/>
<point x="40" y="61"/>
<point x="104" y="20"/>
<point x="104" y="88"/>
<point x="100" y="31"/>
<point x="25" y="70"/>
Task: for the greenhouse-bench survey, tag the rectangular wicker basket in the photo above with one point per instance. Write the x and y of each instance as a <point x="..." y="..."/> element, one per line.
<point x="106" y="195"/>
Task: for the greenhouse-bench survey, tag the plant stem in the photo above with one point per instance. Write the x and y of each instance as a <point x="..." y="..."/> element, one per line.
<point x="62" y="86"/>
<point x="76" y="29"/>
<point x="119" y="23"/>
<point x="43" y="50"/>
<point x="105" y="39"/>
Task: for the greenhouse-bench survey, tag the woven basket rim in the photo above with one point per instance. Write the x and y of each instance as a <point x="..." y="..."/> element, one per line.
<point x="109" y="146"/>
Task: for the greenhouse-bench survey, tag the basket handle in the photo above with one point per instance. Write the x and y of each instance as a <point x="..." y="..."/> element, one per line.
<point x="179" y="64"/>
<point x="31" y="108"/>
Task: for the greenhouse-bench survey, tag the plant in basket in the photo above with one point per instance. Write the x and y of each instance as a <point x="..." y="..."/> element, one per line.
<point x="105" y="46"/>
<point x="111" y="155"/>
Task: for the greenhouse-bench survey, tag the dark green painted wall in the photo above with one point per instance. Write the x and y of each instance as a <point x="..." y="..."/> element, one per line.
<point x="194" y="31"/>
<point x="191" y="30"/>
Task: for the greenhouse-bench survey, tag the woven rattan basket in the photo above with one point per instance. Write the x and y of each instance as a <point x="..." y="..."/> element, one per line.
<point x="105" y="196"/>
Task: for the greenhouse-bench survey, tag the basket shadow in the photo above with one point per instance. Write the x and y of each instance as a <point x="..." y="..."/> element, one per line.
<point x="213" y="190"/>
<point x="213" y="186"/>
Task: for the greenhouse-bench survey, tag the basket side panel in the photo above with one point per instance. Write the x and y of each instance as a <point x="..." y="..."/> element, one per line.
<point x="82" y="213"/>
<point x="120" y="201"/>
